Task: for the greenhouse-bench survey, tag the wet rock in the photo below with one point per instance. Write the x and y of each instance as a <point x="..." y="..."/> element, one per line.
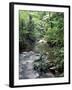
<point x="53" y="69"/>
<point x="47" y="75"/>
<point x="24" y="53"/>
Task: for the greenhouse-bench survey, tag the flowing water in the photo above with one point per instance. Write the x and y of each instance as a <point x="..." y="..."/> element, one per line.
<point x="26" y="60"/>
<point x="26" y="70"/>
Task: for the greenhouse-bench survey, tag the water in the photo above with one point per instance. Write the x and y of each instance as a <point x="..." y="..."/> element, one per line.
<point x="26" y="70"/>
<point x="26" y="60"/>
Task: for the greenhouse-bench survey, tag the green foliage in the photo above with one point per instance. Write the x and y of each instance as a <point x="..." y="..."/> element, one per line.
<point x="37" y="25"/>
<point x="41" y="65"/>
<point x="26" y="31"/>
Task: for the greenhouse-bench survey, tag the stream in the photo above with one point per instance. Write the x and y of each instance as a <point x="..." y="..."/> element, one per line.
<point x="26" y="70"/>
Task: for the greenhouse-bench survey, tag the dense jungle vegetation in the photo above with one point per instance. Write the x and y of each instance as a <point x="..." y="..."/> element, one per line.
<point x="43" y="32"/>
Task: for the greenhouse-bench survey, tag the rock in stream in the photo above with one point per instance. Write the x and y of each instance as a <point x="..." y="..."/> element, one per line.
<point x="26" y="70"/>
